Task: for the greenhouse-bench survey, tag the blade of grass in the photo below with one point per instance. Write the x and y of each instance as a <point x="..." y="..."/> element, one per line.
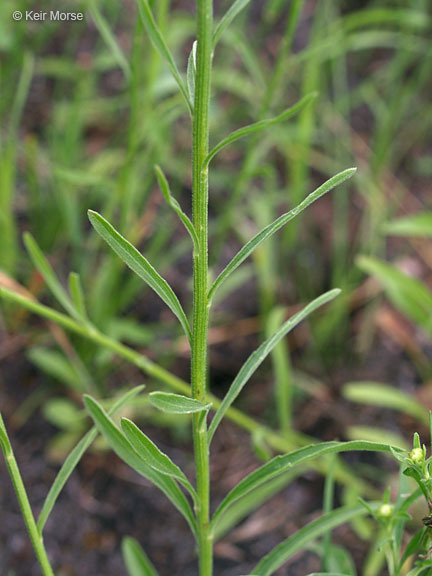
<point x="414" y="225"/>
<point x="109" y="38"/>
<point x="269" y="230"/>
<point x="377" y="394"/>
<point x="259" y="355"/>
<point x="411" y="296"/>
<point x="136" y="560"/>
<point x="77" y="295"/>
<point x="47" y="272"/>
<point x="141" y="266"/>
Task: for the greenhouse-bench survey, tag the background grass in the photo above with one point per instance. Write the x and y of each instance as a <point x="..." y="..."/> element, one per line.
<point x="87" y="110"/>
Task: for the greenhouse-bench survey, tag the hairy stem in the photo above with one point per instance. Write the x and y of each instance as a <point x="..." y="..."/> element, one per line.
<point x="200" y="131"/>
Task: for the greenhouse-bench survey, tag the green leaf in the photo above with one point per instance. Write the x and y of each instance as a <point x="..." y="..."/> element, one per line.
<point x="258" y="126"/>
<point x="127" y="453"/>
<point x="161" y="46"/>
<point x="47" y="272"/>
<point x="152" y="455"/>
<point x="56" y="365"/>
<point x="42" y="310"/>
<point x="4" y="439"/>
<point x="407" y="294"/>
<point x="191" y="73"/>
<point x="277" y="557"/>
<point x="269" y="230"/>
<point x="63" y="413"/>
<point x="376" y="434"/>
<point x="74" y="457"/>
<point x="252" y="501"/>
<point x="260" y="354"/>
<point x="415" y="225"/>
<point x="140" y="265"/>
<point x="110" y="39"/>
<point x="136" y="560"/>
<point x="177" y="403"/>
<point x="376" y="394"/>
<point x="281" y="464"/>
<point x="339" y="561"/>
<point x="77" y="295"/>
<point x="165" y="189"/>
<point x="414" y="545"/>
<point x="228" y="17"/>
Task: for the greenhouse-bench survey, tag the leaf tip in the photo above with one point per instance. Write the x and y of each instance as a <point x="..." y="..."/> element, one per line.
<point x="126" y="423"/>
<point x="89" y="401"/>
<point x="92" y="214"/>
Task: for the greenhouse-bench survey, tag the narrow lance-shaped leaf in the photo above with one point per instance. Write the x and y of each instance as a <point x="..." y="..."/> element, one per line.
<point x="136" y="560"/>
<point x="277" y="557"/>
<point x="228" y="17"/>
<point x="258" y="126"/>
<point x="377" y="394"/>
<point x="244" y="507"/>
<point x="280" y="464"/>
<point x="191" y="73"/>
<point x="161" y="46"/>
<point x="408" y="294"/>
<point x="259" y="355"/>
<point x="140" y="265"/>
<point x="4" y="439"/>
<point x="269" y="230"/>
<point x="177" y="403"/>
<point x="77" y="295"/>
<point x="327" y="574"/>
<point x="152" y="455"/>
<point x="414" y="225"/>
<point x="109" y="39"/>
<point x="127" y="453"/>
<point x="165" y="189"/>
<point x="48" y="274"/>
<point x="74" y="457"/>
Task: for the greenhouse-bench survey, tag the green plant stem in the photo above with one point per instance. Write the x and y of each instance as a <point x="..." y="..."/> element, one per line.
<point x="252" y="154"/>
<point x="200" y="132"/>
<point x="273" y="438"/>
<point x="35" y="536"/>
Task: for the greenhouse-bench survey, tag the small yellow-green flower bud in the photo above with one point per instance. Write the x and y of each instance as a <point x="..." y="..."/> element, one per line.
<point x="385" y="511"/>
<point x="417" y="456"/>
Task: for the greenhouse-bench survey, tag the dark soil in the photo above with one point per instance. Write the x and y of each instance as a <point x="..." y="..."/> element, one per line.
<point x="104" y="500"/>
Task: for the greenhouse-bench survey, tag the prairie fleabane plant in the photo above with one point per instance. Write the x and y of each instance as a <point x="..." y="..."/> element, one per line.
<point x="191" y="499"/>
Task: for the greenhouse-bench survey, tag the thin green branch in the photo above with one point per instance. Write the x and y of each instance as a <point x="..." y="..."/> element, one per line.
<point x="272" y="437"/>
<point x="21" y="493"/>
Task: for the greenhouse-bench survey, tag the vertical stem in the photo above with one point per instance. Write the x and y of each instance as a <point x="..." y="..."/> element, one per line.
<point x="200" y="132"/>
<point x="35" y="536"/>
